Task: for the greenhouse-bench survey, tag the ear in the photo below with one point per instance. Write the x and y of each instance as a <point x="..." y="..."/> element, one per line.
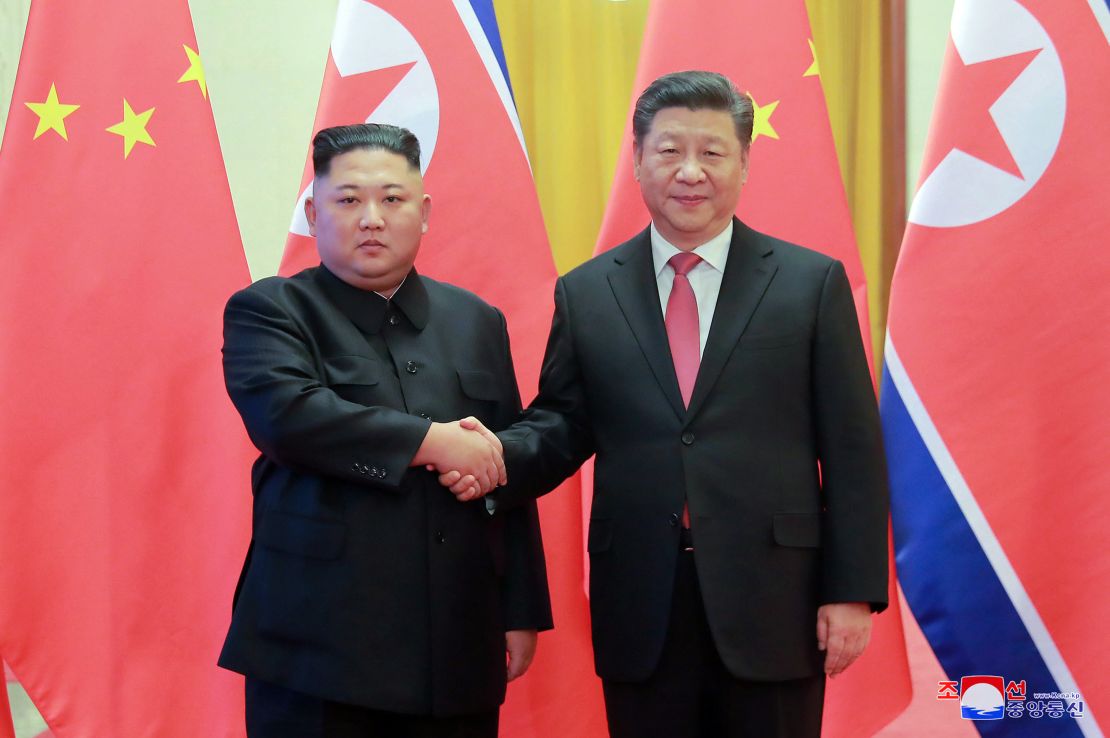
<point x="637" y="158"/>
<point x="745" y="158"/>
<point x="310" y="215"/>
<point x="425" y="212"/>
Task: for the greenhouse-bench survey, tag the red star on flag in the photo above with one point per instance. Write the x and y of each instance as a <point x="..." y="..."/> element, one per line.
<point x="353" y="98"/>
<point x="970" y="90"/>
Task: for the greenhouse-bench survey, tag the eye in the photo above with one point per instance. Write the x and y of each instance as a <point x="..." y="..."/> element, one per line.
<point x="392" y="198"/>
<point x="712" y="153"/>
<point x="347" y="200"/>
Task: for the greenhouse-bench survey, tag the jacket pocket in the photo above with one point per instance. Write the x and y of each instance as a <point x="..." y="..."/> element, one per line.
<point x="766" y="341"/>
<point x="479" y="385"/>
<point x="801" y="530"/>
<point x="600" y="536"/>
<point x="351" y="369"/>
<point x="296" y="534"/>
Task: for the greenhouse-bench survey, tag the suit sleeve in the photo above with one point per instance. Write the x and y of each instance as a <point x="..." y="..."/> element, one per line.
<point x="527" y="601"/>
<point x="292" y="417"/>
<point x="553" y="438"/>
<point x="850" y="449"/>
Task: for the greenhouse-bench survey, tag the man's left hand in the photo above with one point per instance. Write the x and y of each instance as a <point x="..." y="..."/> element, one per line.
<point x="843" y="630"/>
<point x="521" y="647"/>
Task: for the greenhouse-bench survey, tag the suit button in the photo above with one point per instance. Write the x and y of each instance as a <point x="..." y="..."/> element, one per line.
<point x="440" y="538"/>
<point x="356" y="467"/>
<point x="381" y="473"/>
<point x="688" y="438"/>
<point x="674" y="520"/>
<point x="411" y="367"/>
<point x="394" y="320"/>
<point x="373" y="471"/>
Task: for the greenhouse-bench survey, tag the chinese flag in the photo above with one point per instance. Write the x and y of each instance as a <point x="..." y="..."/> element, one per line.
<point x="794" y="192"/>
<point x="995" y="394"/>
<point x="436" y="69"/>
<point x="123" y="515"/>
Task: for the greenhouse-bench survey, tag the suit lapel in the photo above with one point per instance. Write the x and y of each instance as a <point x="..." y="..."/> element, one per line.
<point x="634" y="286"/>
<point x="747" y="274"/>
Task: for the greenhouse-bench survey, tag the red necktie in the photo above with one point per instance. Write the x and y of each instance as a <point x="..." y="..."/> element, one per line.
<point x="684" y="333"/>
<point x="683" y="330"/>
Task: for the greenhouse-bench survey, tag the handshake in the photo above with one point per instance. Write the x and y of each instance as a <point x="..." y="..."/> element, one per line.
<point x="467" y="455"/>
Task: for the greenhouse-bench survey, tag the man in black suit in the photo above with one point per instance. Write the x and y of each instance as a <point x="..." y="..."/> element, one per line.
<point x="739" y="515"/>
<point x="373" y="602"/>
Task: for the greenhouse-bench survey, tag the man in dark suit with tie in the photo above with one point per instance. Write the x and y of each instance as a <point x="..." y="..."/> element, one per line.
<point x="373" y="601"/>
<point x="738" y="532"/>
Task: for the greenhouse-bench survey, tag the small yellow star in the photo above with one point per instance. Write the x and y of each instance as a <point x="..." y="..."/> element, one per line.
<point x="813" y="70"/>
<point x="195" y="72"/>
<point x="761" y="126"/>
<point x="52" y="114"/>
<point x="132" y="128"/>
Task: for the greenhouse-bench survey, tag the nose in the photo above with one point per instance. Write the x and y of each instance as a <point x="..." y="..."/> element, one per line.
<point x="371" y="218"/>
<point x="690" y="171"/>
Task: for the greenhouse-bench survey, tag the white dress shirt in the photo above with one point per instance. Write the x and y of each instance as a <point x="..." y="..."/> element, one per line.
<point x="705" y="278"/>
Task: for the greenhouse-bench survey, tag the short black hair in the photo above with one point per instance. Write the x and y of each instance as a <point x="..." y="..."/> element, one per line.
<point x="331" y="142"/>
<point x="693" y="90"/>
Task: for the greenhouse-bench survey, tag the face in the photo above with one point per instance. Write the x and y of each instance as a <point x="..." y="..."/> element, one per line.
<point x="368" y="214"/>
<point x="691" y="168"/>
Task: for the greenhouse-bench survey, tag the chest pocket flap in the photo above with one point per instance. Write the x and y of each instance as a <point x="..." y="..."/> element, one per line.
<point x="351" y="369"/>
<point x="479" y="385"/>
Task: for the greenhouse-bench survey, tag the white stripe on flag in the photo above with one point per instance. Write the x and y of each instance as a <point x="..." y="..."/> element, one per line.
<point x="485" y="51"/>
<point x="1003" y="569"/>
<point x="1102" y="15"/>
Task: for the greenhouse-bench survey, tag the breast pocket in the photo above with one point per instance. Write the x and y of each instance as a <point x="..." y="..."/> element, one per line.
<point x="354" y="378"/>
<point x="479" y="385"/>
<point x="348" y="370"/>
<point x="770" y="341"/>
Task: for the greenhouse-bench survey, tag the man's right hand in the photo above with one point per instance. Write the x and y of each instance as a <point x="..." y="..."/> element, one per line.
<point x="455" y="447"/>
<point x="456" y="481"/>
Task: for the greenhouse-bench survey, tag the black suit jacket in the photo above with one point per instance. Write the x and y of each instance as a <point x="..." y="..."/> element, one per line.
<point x="783" y="386"/>
<point x="367" y="582"/>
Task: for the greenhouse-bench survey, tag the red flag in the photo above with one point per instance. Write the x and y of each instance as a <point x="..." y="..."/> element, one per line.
<point x="6" y="728"/>
<point x="123" y="517"/>
<point x="995" y="395"/>
<point x="794" y="192"/>
<point x="433" y="68"/>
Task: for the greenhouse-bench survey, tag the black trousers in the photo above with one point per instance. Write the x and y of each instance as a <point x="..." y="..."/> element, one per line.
<point x="277" y="712"/>
<point x="691" y="694"/>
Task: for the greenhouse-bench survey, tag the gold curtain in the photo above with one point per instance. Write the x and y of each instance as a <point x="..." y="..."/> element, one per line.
<point x="573" y="65"/>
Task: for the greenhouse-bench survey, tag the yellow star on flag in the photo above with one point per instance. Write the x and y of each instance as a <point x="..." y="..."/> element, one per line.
<point x="52" y="114"/>
<point x="132" y="128"/>
<point x="195" y="72"/>
<point x="813" y="70"/>
<point x="761" y="126"/>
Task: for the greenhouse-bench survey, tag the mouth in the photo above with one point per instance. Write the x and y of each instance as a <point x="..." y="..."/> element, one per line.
<point x="689" y="200"/>
<point x="371" y="245"/>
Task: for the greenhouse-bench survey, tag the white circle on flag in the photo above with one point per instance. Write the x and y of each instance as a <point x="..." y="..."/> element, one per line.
<point x="366" y="39"/>
<point x="1029" y="114"/>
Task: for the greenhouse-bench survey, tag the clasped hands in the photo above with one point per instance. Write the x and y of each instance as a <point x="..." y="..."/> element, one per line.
<point x="467" y="455"/>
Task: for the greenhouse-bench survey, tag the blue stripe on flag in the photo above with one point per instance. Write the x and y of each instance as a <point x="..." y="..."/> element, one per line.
<point x="488" y="18"/>
<point x="949" y="583"/>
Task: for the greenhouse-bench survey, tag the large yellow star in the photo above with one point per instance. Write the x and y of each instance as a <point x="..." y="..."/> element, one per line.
<point x="195" y="72"/>
<point x="813" y="70"/>
<point x="761" y="126"/>
<point x="52" y="114"/>
<point x="132" y="128"/>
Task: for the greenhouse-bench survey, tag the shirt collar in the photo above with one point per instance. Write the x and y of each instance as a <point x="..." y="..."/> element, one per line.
<point x="367" y="310"/>
<point x="713" y="252"/>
